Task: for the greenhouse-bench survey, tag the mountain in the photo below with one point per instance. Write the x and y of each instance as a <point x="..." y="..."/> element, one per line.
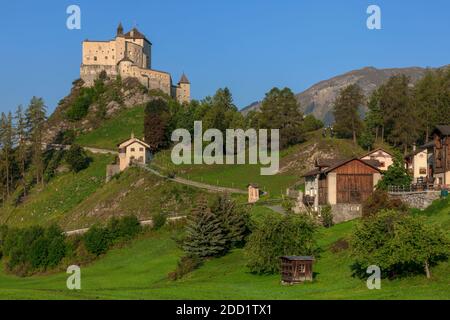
<point x="318" y="99"/>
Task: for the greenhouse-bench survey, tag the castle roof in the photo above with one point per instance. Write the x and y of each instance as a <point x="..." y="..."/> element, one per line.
<point x="135" y="34"/>
<point x="184" y="79"/>
<point x="125" y="59"/>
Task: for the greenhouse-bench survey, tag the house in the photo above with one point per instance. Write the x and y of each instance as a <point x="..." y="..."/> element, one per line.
<point x="385" y="158"/>
<point x="132" y="151"/>
<point x="342" y="184"/>
<point x="253" y="193"/>
<point x="417" y="163"/>
<point x="440" y="160"/>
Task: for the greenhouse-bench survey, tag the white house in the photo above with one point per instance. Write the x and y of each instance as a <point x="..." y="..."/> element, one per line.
<point x="133" y="150"/>
<point x="384" y="158"/>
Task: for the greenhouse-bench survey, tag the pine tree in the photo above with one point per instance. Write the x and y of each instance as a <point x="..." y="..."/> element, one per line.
<point x="21" y="138"/>
<point x="233" y="219"/>
<point x="374" y="118"/>
<point x="205" y="237"/>
<point x="281" y="110"/>
<point x="35" y="116"/>
<point x="346" y="112"/>
<point x="6" y="138"/>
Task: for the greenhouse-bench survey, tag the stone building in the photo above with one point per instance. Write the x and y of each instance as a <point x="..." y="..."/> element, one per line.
<point x="129" y="55"/>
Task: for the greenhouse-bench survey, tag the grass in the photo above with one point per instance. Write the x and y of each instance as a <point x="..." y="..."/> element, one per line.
<point x="60" y="195"/>
<point x="115" y="130"/>
<point x="139" y="271"/>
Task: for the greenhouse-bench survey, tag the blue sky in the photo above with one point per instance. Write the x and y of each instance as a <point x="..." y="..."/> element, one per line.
<point x="248" y="45"/>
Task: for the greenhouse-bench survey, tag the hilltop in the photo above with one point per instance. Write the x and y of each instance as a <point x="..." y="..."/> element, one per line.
<point x="318" y="99"/>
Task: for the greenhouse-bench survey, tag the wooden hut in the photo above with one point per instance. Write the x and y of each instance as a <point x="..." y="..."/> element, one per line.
<point x="296" y="269"/>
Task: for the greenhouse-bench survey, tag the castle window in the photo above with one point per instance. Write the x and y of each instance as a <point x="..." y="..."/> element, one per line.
<point x="95" y="58"/>
<point x="106" y="57"/>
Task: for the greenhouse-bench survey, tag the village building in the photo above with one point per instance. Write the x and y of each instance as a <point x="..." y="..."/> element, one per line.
<point x="417" y="163"/>
<point x="342" y="184"/>
<point x="385" y="158"/>
<point x="296" y="269"/>
<point x="440" y="159"/>
<point x="253" y="193"/>
<point x="133" y="151"/>
<point x="129" y="55"/>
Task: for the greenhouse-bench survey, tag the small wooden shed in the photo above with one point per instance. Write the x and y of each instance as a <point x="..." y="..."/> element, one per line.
<point x="296" y="269"/>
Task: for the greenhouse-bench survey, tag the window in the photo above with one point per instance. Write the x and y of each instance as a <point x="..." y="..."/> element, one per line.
<point x="141" y="149"/>
<point x="95" y="58"/>
<point x="132" y="149"/>
<point x="382" y="164"/>
<point x="301" y="268"/>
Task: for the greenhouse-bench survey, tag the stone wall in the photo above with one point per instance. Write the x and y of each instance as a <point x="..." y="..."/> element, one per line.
<point x="346" y="211"/>
<point x="111" y="170"/>
<point x="419" y="199"/>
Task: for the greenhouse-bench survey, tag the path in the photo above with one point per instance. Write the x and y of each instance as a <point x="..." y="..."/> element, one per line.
<point x="195" y="183"/>
<point x="143" y="223"/>
<point x="67" y="147"/>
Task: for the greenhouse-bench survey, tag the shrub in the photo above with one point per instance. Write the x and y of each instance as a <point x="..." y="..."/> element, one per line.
<point x="396" y="175"/>
<point x="128" y="227"/>
<point x="77" y="159"/>
<point x="159" y="220"/>
<point x="97" y="240"/>
<point x="276" y="236"/>
<point x="398" y="243"/>
<point x="33" y="248"/>
<point x="185" y="266"/>
<point x="379" y="200"/>
<point x="326" y="217"/>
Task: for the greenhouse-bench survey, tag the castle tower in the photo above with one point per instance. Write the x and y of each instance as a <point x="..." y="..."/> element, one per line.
<point x="119" y="30"/>
<point x="184" y="89"/>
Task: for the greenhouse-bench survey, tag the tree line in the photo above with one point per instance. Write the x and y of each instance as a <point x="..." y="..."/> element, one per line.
<point x="21" y="148"/>
<point x="399" y="112"/>
<point x="280" y="110"/>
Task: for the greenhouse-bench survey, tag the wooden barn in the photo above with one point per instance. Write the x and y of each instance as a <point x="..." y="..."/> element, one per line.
<point x="296" y="269"/>
<point x="348" y="181"/>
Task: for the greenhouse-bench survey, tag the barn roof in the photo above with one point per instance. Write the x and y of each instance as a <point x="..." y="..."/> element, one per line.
<point x="367" y="163"/>
<point x="299" y="258"/>
<point x="127" y="142"/>
<point x="443" y="129"/>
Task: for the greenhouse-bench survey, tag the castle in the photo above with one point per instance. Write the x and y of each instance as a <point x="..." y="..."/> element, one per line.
<point x="129" y="55"/>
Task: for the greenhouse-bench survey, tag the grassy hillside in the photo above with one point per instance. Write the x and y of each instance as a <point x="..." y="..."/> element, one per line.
<point x="115" y="130"/>
<point x="293" y="162"/>
<point x="59" y="196"/>
<point x="139" y="272"/>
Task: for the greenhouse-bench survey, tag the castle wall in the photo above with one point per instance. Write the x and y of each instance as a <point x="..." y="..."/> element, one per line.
<point x="99" y="53"/>
<point x="89" y="73"/>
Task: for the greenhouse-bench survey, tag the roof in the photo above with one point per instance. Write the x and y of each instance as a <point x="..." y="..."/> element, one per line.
<point x="349" y="160"/>
<point x="127" y="142"/>
<point x="299" y="258"/>
<point x="418" y="150"/>
<point x="184" y="79"/>
<point x="136" y="35"/>
<point x="327" y="165"/>
<point x="444" y="129"/>
<point x="254" y="185"/>
<point x="376" y="150"/>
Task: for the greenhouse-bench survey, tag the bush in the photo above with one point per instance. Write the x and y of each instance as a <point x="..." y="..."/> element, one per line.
<point x="277" y="236"/>
<point x="185" y="266"/>
<point x="398" y="243"/>
<point x="396" y="175"/>
<point x="77" y="159"/>
<point x="97" y="240"/>
<point x="33" y="248"/>
<point x="159" y="220"/>
<point x="379" y="200"/>
<point x="126" y="227"/>
<point x="326" y="217"/>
